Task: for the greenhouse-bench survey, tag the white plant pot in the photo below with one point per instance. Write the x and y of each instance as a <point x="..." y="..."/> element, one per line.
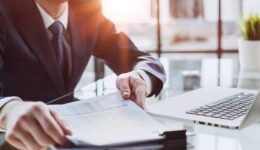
<point x="249" y="55"/>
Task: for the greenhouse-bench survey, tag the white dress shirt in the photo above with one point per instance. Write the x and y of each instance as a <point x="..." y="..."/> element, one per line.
<point x="48" y="21"/>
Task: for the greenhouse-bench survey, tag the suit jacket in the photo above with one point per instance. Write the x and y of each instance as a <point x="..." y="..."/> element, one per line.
<point x="28" y="67"/>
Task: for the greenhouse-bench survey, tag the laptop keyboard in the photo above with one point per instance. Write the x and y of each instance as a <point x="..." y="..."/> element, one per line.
<point x="229" y="108"/>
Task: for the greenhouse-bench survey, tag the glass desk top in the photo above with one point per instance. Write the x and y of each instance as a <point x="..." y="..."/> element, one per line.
<point x="184" y="75"/>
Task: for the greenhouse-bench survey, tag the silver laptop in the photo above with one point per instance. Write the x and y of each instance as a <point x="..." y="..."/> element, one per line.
<point x="219" y="107"/>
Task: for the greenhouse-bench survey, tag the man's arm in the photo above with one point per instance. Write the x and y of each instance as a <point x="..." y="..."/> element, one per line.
<point x="3" y="100"/>
<point x="2" y="46"/>
<point x="122" y="56"/>
<point x="28" y="125"/>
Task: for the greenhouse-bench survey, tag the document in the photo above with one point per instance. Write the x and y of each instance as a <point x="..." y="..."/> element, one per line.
<point x="108" y="120"/>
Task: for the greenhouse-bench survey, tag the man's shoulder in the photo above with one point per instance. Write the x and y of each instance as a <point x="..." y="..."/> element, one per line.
<point x="6" y="5"/>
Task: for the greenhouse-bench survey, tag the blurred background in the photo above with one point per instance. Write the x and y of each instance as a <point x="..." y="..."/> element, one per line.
<point x="196" y="40"/>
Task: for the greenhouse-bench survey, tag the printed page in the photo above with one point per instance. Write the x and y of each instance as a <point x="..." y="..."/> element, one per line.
<point x="108" y="120"/>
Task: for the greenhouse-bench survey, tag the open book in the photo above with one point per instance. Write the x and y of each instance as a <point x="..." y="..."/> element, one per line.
<point x="108" y="120"/>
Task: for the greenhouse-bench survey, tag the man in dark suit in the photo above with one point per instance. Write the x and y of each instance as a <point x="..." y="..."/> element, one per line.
<point x="44" y="47"/>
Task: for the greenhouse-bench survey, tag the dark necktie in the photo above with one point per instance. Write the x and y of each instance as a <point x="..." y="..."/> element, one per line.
<point x="57" y="30"/>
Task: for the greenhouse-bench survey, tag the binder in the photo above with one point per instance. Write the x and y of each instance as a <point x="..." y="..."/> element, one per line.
<point x="172" y="140"/>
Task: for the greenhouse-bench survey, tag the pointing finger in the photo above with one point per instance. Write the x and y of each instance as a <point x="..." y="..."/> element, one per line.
<point x="124" y="87"/>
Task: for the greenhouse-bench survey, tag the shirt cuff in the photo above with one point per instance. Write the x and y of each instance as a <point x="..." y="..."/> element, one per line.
<point x="147" y="80"/>
<point x="5" y="100"/>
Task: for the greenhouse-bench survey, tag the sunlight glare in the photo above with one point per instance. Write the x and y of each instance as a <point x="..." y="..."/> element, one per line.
<point x="127" y="11"/>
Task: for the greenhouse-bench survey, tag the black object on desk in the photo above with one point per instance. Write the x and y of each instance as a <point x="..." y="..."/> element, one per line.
<point x="173" y="140"/>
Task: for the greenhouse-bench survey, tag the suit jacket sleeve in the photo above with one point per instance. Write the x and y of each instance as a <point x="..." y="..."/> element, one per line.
<point x="2" y="45"/>
<point x="122" y="56"/>
<point x="3" y="100"/>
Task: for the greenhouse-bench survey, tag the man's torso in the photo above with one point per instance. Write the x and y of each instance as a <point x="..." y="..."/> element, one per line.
<point x="29" y="67"/>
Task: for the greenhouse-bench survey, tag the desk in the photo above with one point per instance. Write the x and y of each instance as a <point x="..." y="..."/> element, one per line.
<point x="186" y="75"/>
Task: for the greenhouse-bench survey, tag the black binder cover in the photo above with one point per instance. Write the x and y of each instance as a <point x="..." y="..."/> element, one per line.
<point x="173" y="140"/>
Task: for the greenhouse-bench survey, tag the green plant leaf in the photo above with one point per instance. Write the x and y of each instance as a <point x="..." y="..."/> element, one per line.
<point x="250" y="27"/>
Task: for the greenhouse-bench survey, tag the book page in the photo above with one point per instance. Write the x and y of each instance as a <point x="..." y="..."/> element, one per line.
<point x="108" y="120"/>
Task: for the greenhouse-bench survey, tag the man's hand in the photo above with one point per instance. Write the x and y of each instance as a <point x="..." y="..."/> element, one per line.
<point x="132" y="86"/>
<point x="32" y="125"/>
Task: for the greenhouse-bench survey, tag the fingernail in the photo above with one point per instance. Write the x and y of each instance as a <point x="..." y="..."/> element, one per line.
<point x="125" y="94"/>
<point x="68" y="131"/>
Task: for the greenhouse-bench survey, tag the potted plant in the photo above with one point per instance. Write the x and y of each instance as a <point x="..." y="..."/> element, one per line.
<point x="249" y="45"/>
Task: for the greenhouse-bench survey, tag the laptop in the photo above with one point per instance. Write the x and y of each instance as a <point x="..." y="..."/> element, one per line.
<point x="218" y="107"/>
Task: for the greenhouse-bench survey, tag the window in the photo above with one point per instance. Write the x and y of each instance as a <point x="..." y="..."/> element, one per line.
<point x="189" y="25"/>
<point x="182" y="26"/>
<point x="135" y="18"/>
<point x="186" y="25"/>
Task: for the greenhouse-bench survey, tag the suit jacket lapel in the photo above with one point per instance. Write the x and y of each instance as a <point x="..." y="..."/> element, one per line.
<point x="32" y="29"/>
<point x="83" y="26"/>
